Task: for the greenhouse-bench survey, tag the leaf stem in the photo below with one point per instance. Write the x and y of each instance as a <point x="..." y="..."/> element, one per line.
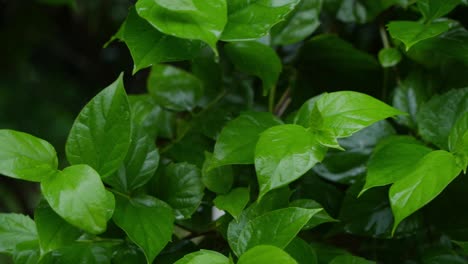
<point x="384" y="37"/>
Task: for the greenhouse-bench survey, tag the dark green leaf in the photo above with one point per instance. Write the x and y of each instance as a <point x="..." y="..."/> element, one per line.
<point x="301" y="251"/>
<point x="283" y="154"/>
<point x="437" y="117"/>
<point x="78" y="253"/>
<point x="299" y="24"/>
<point x="362" y="11"/>
<point x="348" y="259"/>
<point x="78" y="195"/>
<point x="431" y="175"/>
<point x="319" y="218"/>
<point x="249" y="20"/>
<point x="389" y="57"/>
<point x="27" y="253"/>
<point x="432" y="9"/>
<point x="147" y="221"/>
<point x="236" y="143"/>
<point x="204" y="257"/>
<point x="23" y="156"/>
<point x="14" y="230"/>
<point x="196" y="19"/>
<point x="233" y="202"/>
<point x="410" y="32"/>
<point x="257" y="59"/>
<point x="182" y="188"/>
<point x="265" y="254"/>
<point x="128" y="253"/>
<point x="326" y="253"/>
<point x="53" y="231"/>
<point x="174" y="88"/>
<point x="149" y="46"/>
<point x="100" y="136"/>
<point x="219" y="179"/>
<point x="458" y="140"/>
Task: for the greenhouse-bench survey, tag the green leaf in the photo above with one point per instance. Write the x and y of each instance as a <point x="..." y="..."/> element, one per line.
<point x="283" y="154"/>
<point x="432" y="9"/>
<point x="23" y="156"/>
<point x="54" y="232"/>
<point x="78" y="253"/>
<point x="410" y="32"/>
<point x="430" y="176"/>
<point x="128" y="253"/>
<point x="256" y="59"/>
<point x="301" y="251"/>
<point x="389" y="57"/>
<point x="346" y="112"/>
<point x="317" y="219"/>
<point x="173" y="88"/>
<point x="147" y="221"/>
<point x="78" y="195"/>
<point x="266" y="254"/>
<point x="181" y="187"/>
<point x="236" y="142"/>
<point x="14" y="230"/>
<point x="275" y="228"/>
<point x="204" y="257"/>
<point x="248" y="20"/>
<point x="27" y="253"/>
<point x="299" y="24"/>
<point x="348" y="259"/>
<point x="100" y="136"/>
<point x="437" y="117"/>
<point x="393" y="161"/>
<point x="196" y="19"/>
<point x="233" y="202"/>
<point x="148" y="46"/>
<point x="363" y="11"/>
<point x="219" y="179"/>
<point x="458" y="140"/>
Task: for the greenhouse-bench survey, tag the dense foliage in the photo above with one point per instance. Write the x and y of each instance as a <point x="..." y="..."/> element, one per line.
<point x="326" y="131"/>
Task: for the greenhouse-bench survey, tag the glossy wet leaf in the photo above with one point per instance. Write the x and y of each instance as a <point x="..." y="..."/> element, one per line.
<point x="196" y="19"/>
<point x="249" y="20"/>
<point x="431" y="175"/>
<point x="393" y="161"/>
<point x="389" y="57"/>
<point x="283" y="154"/>
<point x="236" y="142"/>
<point x="181" y="187"/>
<point x="301" y="251"/>
<point x="78" y="253"/>
<point x="458" y="140"/>
<point x="14" y="230"/>
<point x="148" y="46"/>
<point x="349" y="259"/>
<point x="275" y="228"/>
<point x="319" y="218"/>
<point x="266" y="254"/>
<point x="100" y="136"/>
<point x="78" y="195"/>
<point x="410" y="32"/>
<point x="174" y="88"/>
<point x="437" y="117"/>
<point x="54" y="232"/>
<point x="23" y="156"/>
<point x="299" y="24"/>
<point x="147" y="221"/>
<point x="363" y="11"/>
<point x="432" y="9"/>
<point x="128" y="253"/>
<point x="233" y="202"/>
<point x="204" y="257"/>
<point x="219" y="179"/>
<point x="256" y="59"/>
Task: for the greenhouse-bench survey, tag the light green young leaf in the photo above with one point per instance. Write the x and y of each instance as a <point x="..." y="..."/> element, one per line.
<point x="147" y="221"/>
<point x="78" y="195"/>
<point x="100" y="136"/>
<point x="219" y="179"/>
<point x="181" y="187"/>
<point x="432" y="9"/>
<point x="257" y="59"/>
<point x="458" y="140"/>
<point x="389" y="57"/>
<point x="54" y="232"/>
<point x="301" y="251"/>
<point x="196" y="19"/>
<point x="283" y="154"/>
<point x="14" y="230"/>
<point x="204" y="257"/>
<point x="275" y="228"/>
<point x="23" y="156"/>
<point x="248" y="20"/>
<point x="427" y="180"/>
<point x="349" y="259"/>
<point x="148" y="46"/>
<point x="437" y="117"/>
<point x="233" y="202"/>
<point x="299" y="24"/>
<point x="266" y="254"/>
<point x="174" y="88"/>
<point x="236" y="143"/>
<point x="411" y="32"/>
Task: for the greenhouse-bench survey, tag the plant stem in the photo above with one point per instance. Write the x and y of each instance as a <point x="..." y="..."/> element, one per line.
<point x="384" y="37"/>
